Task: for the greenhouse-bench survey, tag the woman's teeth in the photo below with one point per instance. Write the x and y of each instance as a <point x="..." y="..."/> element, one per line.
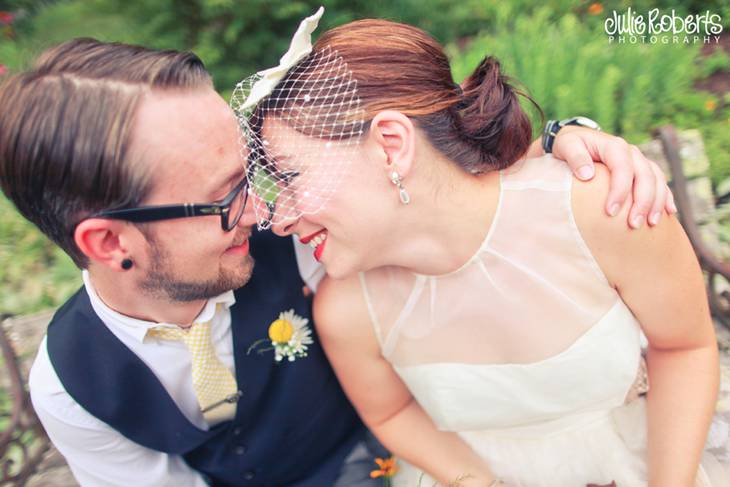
<point x="316" y="241"/>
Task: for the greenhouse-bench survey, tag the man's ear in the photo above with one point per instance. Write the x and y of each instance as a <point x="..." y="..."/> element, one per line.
<point x="99" y="239"/>
<point x="395" y="137"/>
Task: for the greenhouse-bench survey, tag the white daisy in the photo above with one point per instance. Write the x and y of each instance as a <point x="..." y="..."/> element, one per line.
<point x="290" y="336"/>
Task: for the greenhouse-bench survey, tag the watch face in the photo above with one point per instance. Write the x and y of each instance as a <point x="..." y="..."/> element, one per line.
<point x="581" y="121"/>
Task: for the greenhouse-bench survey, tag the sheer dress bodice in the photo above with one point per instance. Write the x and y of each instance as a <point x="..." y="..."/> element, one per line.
<point x="526" y="350"/>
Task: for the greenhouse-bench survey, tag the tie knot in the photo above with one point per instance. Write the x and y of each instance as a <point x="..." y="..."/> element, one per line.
<point x="197" y="334"/>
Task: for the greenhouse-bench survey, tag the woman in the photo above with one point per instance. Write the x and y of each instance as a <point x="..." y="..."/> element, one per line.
<point x="482" y="314"/>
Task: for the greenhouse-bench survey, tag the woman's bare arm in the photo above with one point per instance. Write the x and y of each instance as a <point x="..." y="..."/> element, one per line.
<point x="658" y="277"/>
<point x="380" y="397"/>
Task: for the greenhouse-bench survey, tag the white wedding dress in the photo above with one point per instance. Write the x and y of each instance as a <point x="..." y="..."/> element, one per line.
<point x="526" y="351"/>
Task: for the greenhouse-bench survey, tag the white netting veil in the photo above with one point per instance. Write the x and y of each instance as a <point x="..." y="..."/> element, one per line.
<point x="300" y="139"/>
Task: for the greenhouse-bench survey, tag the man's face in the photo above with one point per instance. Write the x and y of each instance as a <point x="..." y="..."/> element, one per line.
<point x="189" y="142"/>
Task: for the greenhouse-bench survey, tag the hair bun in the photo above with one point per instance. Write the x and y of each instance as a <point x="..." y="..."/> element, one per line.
<point x="492" y="118"/>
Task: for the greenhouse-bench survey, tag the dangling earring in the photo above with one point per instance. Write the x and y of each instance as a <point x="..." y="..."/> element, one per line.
<point x="127" y="264"/>
<point x="395" y="178"/>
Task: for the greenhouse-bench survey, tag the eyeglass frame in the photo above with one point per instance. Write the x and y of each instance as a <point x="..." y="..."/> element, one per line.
<point x="152" y="213"/>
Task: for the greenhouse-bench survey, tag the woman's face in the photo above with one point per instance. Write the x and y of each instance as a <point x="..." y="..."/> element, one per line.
<point x="333" y="197"/>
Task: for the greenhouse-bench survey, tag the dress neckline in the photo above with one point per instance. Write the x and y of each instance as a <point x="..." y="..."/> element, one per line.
<point x="488" y="235"/>
<point x="617" y="307"/>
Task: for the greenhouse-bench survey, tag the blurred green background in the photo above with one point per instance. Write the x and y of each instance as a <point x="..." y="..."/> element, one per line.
<point x="558" y="49"/>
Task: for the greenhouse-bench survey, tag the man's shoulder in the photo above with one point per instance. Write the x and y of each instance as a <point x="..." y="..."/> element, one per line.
<point x="43" y="380"/>
<point x="76" y="310"/>
<point x="50" y="399"/>
<point x="46" y="389"/>
<point x="77" y="302"/>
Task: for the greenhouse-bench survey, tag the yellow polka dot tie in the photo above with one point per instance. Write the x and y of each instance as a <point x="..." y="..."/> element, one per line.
<point x="214" y="385"/>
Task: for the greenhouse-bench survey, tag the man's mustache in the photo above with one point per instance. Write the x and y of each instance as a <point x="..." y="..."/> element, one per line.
<point x="241" y="236"/>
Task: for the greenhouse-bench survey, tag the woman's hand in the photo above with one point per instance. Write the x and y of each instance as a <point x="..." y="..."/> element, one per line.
<point x="631" y="172"/>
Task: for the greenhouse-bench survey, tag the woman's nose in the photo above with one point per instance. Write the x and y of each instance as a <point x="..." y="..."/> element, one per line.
<point x="283" y="227"/>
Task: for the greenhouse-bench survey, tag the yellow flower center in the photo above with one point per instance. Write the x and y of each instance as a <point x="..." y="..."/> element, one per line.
<point x="281" y="331"/>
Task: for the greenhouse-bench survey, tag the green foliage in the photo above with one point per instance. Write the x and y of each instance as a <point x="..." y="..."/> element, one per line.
<point x="237" y="38"/>
<point x="717" y="146"/>
<point x="570" y="68"/>
<point x="716" y="62"/>
<point x="54" y="22"/>
<point x="34" y="273"/>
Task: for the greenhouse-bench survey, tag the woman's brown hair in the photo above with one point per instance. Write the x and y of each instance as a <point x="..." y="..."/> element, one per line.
<point x="479" y="125"/>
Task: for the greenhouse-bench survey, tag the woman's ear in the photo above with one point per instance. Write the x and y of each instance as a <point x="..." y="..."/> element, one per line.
<point x="395" y="136"/>
<point x="99" y="239"/>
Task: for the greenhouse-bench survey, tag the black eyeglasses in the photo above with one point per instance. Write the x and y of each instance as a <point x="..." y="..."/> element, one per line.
<point x="229" y="208"/>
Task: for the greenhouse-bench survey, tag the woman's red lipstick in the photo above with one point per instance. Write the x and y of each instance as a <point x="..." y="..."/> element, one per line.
<point x="317" y="240"/>
<point x="308" y="238"/>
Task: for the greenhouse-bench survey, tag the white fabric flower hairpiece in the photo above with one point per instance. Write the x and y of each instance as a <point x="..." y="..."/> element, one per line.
<point x="300" y="46"/>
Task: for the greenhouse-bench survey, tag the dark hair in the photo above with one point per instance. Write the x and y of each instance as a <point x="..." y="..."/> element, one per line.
<point x="65" y="130"/>
<point x="480" y="126"/>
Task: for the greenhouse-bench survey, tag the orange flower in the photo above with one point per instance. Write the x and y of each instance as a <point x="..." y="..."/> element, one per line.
<point x="388" y="468"/>
<point x="595" y="8"/>
<point x="710" y="104"/>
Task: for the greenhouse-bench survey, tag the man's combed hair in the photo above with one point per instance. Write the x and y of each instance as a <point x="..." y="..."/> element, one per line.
<point x="65" y="130"/>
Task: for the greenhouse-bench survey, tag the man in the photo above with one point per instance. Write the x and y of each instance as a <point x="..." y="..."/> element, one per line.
<point x="151" y="374"/>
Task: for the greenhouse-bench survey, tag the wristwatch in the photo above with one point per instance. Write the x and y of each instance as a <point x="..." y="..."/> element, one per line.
<point x="553" y="127"/>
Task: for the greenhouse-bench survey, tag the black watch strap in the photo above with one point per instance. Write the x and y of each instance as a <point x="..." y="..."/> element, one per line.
<point x="552" y="127"/>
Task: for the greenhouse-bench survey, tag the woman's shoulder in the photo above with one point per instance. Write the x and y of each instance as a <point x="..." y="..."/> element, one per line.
<point x="613" y="243"/>
<point x="588" y="202"/>
<point x="339" y="304"/>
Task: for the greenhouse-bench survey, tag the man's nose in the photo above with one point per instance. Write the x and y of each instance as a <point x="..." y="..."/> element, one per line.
<point x="249" y="214"/>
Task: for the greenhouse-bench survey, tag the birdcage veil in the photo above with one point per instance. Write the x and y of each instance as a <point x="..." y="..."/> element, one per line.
<point x="300" y="124"/>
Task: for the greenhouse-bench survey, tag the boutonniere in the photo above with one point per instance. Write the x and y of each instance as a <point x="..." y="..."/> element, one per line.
<point x="289" y="336"/>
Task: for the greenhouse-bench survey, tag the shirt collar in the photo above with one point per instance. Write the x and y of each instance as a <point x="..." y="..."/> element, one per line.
<point x="137" y="328"/>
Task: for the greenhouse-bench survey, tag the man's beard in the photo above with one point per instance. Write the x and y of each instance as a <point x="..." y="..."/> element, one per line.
<point x="161" y="280"/>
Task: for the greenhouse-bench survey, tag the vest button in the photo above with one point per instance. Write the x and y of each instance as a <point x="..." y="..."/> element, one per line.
<point x="249" y="475"/>
<point x="240" y="450"/>
<point x="237" y="431"/>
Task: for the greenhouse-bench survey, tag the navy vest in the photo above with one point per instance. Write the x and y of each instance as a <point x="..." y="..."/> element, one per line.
<point x="293" y="424"/>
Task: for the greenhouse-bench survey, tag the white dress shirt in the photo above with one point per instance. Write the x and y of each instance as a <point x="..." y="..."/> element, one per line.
<point x="99" y="455"/>
<point x="311" y="271"/>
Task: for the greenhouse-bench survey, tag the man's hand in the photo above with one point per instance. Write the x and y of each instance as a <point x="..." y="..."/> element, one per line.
<point x="631" y="172"/>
